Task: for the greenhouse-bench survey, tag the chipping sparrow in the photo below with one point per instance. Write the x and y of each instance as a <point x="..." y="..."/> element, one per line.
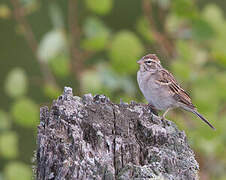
<point x="160" y="88"/>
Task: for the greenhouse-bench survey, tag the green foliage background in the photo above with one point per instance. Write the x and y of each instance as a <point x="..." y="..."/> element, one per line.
<point x="92" y="46"/>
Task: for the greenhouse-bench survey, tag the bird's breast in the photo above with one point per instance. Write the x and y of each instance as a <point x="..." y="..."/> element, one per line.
<point x="154" y="93"/>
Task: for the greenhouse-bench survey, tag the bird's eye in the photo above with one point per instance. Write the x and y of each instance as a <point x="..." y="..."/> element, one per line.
<point x="148" y="62"/>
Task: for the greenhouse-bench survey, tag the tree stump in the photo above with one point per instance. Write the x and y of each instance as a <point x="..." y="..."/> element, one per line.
<point x="93" y="138"/>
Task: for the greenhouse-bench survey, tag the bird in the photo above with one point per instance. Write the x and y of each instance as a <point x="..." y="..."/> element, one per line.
<point x="161" y="89"/>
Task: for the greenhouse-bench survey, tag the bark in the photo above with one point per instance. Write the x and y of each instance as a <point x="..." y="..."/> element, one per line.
<point x="93" y="138"/>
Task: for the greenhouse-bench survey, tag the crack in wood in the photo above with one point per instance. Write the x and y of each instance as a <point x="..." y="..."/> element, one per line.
<point x="114" y="143"/>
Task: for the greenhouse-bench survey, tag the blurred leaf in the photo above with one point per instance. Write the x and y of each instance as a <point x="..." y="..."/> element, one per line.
<point x="200" y="56"/>
<point x="104" y="80"/>
<point x="17" y="170"/>
<point x="5" y="123"/>
<point x="51" y="91"/>
<point x="56" y="16"/>
<point x="26" y="2"/>
<point x="52" y="44"/>
<point x="96" y="33"/>
<point x="218" y="51"/>
<point x="213" y="15"/>
<point x="218" y="46"/>
<point x="25" y="112"/>
<point x="60" y="65"/>
<point x="207" y="146"/>
<point x="174" y="25"/>
<point x="90" y="82"/>
<point x="184" y="8"/>
<point x="5" y="12"/>
<point x="108" y="78"/>
<point x="29" y="6"/>
<point x="144" y="29"/>
<point x="220" y="57"/>
<point x="9" y="145"/>
<point x="201" y="29"/>
<point x="223" y="176"/>
<point x="204" y="93"/>
<point x="125" y="50"/>
<point x="16" y="83"/>
<point x="181" y="69"/>
<point x="115" y="82"/>
<point x="191" y="53"/>
<point x="184" y="50"/>
<point x="127" y="85"/>
<point x="164" y="4"/>
<point x="100" y="7"/>
<point x="220" y="85"/>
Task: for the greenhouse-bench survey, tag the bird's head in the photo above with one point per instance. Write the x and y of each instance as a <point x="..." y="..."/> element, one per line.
<point x="149" y="62"/>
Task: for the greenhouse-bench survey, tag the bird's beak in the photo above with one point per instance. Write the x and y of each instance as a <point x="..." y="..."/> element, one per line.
<point x="139" y="61"/>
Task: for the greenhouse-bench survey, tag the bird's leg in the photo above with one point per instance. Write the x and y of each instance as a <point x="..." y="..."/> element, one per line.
<point x="164" y="114"/>
<point x="153" y="109"/>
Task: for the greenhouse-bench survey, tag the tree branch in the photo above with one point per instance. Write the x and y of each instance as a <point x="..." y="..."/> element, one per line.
<point x="78" y="56"/>
<point x="166" y="45"/>
<point x="30" y="38"/>
<point x="75" y="53"/>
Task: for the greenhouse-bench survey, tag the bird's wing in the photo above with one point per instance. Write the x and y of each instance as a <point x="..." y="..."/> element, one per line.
<point x="166" y="78"/>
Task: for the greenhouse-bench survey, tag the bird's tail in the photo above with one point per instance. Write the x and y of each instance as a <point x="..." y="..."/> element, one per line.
<point x="204" y="119"/>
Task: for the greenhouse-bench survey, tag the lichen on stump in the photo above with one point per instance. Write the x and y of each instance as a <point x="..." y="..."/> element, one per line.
<point x="93" y="138"/>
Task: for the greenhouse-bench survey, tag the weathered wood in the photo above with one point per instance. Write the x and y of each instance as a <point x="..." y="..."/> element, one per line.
<point x="93" y="138"/>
